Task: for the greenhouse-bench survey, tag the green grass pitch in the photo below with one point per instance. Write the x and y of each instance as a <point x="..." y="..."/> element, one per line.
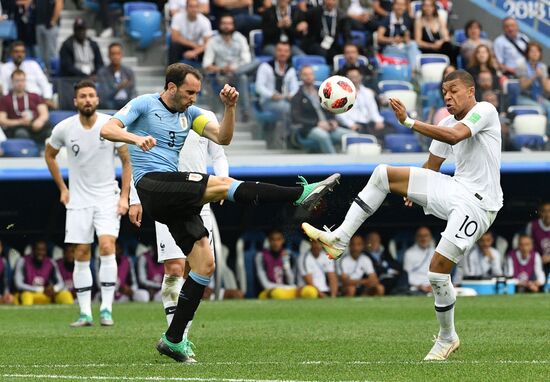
<point x="504" y="338"/>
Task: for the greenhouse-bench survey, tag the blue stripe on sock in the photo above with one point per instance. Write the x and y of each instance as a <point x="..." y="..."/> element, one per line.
<point x="232" y="188"/>
<point x="203" y="280"/>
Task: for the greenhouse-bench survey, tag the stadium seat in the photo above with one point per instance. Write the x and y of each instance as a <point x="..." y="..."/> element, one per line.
<point x="128" y="8"/>
<point x="264" y="117"/>
<point x="246" y="248"/>
<point x="93" y="5"/>
<point x="529" y="141"/>
<point x="321" y="72"/>
<point x="359" y="38"/>
<point x="525" y="109"/>
<point x="432" y="58"/>
<point x="338" y="61"/>
<point x="432" y="67"/>
<point x="8" y="30"/>
<point x="299" y="61"/>
<point x="57" y="116"/>
<point x="297" y="141"/>
<point x="20" y="148"/>
<point x="408" y="97"/>
<point x="387" y="85"/>
<point x="530" y="124"/>
<point x="402" y="143"/>
<point x="362" y="144"/>
<point x="256" y="41"/>
<point x="401" y="72"/>
<point x="144" y="26"/>
<point x="55" y="66"/>
<point x="391" y="119"/>
<point x="512" y="90"/>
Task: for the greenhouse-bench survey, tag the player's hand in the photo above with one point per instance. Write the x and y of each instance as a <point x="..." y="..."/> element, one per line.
<point x="8" y="298"/>
<point x="64" y="197"/>
<point x="146" y="143"/>
<point x="408" y="202"/>
<point x="134" y="214"/>
<point x="122" y="206"/>
<point x="229" y="95"/>
<point x="399" y="109"/>
<point x="48" y="291"/>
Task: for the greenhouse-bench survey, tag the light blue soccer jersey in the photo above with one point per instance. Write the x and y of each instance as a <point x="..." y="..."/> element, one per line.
<point x="148" y="115"/>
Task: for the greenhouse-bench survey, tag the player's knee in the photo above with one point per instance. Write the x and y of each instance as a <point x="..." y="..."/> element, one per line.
<point x="106" y="248"/>
<point x="380" y="176"/>
<point x="82" y="252"/>
<point x="173" y="268"/>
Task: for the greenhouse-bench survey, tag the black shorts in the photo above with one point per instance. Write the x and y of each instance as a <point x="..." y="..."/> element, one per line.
<point x="175" y="199"/>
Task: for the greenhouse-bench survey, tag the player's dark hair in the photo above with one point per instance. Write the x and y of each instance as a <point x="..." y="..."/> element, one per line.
<point x="113" y="44"/>
<point x="176" y="74"/>
<point x="461" y="75"/>
<point x="84" y="84"/>
<point x="17" y="72"/>
<point x="15" y="44"/>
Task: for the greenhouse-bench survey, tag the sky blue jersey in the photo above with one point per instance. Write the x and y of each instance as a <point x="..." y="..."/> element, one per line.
<point x="148" y="115"/>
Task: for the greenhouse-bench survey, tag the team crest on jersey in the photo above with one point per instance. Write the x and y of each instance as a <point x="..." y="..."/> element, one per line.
<point x="125" y="110"/>
<point x="474" y="118"/>
<point x="183" y="122"/>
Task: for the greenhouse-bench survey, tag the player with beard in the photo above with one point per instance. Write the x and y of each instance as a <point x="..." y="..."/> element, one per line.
<point x="94" y="202"/>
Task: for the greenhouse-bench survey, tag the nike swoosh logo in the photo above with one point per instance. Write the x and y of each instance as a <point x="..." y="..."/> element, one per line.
<point x="459" y="237"/>
<point x="74" y="140"/>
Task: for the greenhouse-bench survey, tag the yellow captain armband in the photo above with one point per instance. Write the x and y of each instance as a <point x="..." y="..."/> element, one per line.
<point x="200" y="123"/>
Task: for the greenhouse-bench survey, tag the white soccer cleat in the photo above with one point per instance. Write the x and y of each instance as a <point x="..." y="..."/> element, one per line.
<point x="333" y="246"/>
<point x="442" y="349"/>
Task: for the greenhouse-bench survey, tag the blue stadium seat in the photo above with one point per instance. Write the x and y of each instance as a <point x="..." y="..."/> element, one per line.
<point x="395" y="72"/>
<point x="299" y="61"/>
<point x="55" y="66"/>
<point x="338" y="61"/>
<point x="93" y="5"/>
<point x="8" y="30"/>
<point x="57" y="116"/>
<point x="359" y="38"/>
<point x="144" y="26"/>
<point x="133" y="6"/>
<point x="384" y="86"/>
<point x="512" y="89"/>
<point x="530" y="141"/>
<point x="263" y="58"/>
<point x="299" y="142"/>
<point x="391" y="119"/>
<point x="256" y="41"/>
<point x="525" y="110"/>
<point x="19" y="148"/>
<point x="321" y="72"/>
<point x="432" y="58"/>
<point x="402" y="143"/>
<point x="251" y="242"/>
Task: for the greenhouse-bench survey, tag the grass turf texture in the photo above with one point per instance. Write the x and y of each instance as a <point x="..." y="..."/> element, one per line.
<point x="504" y="338"/>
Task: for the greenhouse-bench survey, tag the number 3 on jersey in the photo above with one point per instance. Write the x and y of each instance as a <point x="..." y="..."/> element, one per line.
<point x="172" y="135"/>
<point x="468" y="227"/>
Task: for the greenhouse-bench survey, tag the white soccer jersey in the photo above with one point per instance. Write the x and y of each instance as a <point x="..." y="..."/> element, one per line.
<point x="356" y="269"/>
<point x="478" y="157"/>
<point x="317" y="268"/>
<point x="91" y="161"/>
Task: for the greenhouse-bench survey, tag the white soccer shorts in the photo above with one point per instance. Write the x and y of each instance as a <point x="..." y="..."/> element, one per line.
<point x="81" y="223"/>
<point x="451" y="201"/>
<point x="167" y="248"/>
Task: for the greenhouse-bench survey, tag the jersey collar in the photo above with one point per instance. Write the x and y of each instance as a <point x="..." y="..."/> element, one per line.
<point x="166" y="106"/>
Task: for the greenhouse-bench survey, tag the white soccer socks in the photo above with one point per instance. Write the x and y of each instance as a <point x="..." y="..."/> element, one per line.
<point x="365" y="204"/>
<point x="170" y="290"/>
<point x="445" y="298"/>
<point x="107" y="278"/>
<point x="82" y="281"/>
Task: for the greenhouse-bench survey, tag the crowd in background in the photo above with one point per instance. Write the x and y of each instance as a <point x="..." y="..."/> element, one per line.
<point x="356" y="38"/>
<point x="43" y="274"/>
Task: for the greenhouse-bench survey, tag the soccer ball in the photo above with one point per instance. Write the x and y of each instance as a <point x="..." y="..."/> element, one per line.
<point x="337" y="94"/>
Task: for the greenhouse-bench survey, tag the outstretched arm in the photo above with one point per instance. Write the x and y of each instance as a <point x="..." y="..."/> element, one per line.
<point x="222" y="133"/>
<point x="451" y="135"/>
<point x="114" y="131"/>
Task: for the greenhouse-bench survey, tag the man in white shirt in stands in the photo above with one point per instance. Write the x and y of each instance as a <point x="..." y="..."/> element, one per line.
<point x="416" y="260"/>
<point x="36" y="80"/>
<point x="510" y="47"/>
<point x="190" y="32"/>
<point x="315" y="269"/>
<point x="178" y="6"/>
<point x="483" y="260"/>
<point x="469" y="200"/>
<point x="94" y="201"/>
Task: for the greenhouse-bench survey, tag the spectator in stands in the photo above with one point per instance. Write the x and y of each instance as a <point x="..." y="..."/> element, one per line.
<point x="417" y="259"/>
<point x="326" y="28"/>
<point x="394" y="34"/>
<point x="387" y="269"/>
<point x="65" y="265"/>
<point x="37" y="278"/>
<point x="382" y="9"/>
<point x="274" y="269"/>
<point x="24" y="114"/>
<point x="361" y="15"/>
<point x="190" y="32"/>
<point x="227" y="55"/>
<point x="482" y="60"/>
<point x="279" y="23"/>
<point x="315" y="269"/>
<point x="357" y="271"/>
<point x="483" y="260"/>
<point x="485" y="81"/>
<point x="79" y="55"/>
<point x="150" y="273"/>
<point x="277" y="83"/>
<point x="364" y="116"/>
<point x="510" y="47"/>
<point x="525" y="265"/>
<point x="351" y="60"/>
<point x="431" y="33"/>
<point x="5" y="295"/>
<point x="494" y="99"/>
<point x="175" y="6"/>
<point x="127" y="286"/>
<point x="25" y="19"/>
<point x="473" y="29"/>
<point x="116" y="82"/>
<point x="532" y="74"/>
<point x="539" y="231"/>
<point x="36" y="80"/>
<point x="312" y="121"/>
<point x="48" y="14"/>
<point x="244" y="19"/>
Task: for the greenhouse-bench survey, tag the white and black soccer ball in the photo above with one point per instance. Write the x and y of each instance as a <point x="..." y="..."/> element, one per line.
<point x="337" y="94"/>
